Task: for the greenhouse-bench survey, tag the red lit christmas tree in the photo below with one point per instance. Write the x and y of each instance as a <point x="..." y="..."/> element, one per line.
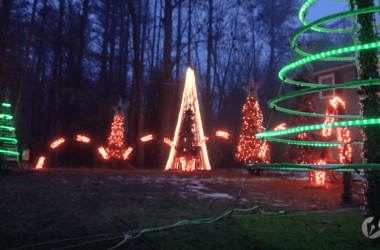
<point x="116" y="143"/>
<point x="248" y="145"/>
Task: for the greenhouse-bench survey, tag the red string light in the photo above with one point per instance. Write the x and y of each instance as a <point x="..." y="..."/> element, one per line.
<point x="103" y="152"/>
<point x="147" y="138"/>
<point x="127" y="152"/>
<point x="82" y="138"/>
<point x="40" y="162"/>
<point x="222" y="134"/>
<point x="57" y="143"/>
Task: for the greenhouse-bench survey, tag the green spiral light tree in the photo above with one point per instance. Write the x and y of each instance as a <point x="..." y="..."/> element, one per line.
<point x="368" y="93"/>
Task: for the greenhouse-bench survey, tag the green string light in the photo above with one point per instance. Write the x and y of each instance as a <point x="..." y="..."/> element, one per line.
<point x="273" y="102"/>
<point x="309" y="143"/>
<point x="6" y="116"/>
<point x="6" y="104"/>
<point x="331" y="55"/>
<point x="311" y="58"/>
<point x="313" y="167"/>
<point x="318" y="126"/>
<point x="9" y="152"/>
<point x="7" y="127"/>
<point x="8" y="139"/>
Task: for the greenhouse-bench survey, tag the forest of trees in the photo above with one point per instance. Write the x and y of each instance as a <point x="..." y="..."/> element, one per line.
<point x="67" y="62"/>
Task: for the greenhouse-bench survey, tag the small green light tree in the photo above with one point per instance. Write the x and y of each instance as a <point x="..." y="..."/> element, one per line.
<point x="8" y="141"/>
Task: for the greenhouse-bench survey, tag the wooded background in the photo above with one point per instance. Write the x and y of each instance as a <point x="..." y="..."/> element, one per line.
<point x="67" y="62"/>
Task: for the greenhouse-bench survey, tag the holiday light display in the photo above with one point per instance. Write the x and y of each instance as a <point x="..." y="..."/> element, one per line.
<point x="103" y="152"/>
<point x="8" y="141"/>
<point x="127" y="152"/>
<point x="116" y="143"/>
<point x="147" y="138"/>
<point x="222" y="134"/>
<point x="57" y="143"/>
<point x="357" y="120"/>
<point x="169" y="142"/>
<point x="248" y="145"/>
<point x="337" y="106"/>
<point x="282" y="126"/>
<point x="40" y="162"/>
<point x="320" y="177"/>
<point x="189" y="103"/>
<point x="203" y="141"/>
<point x="82" y="138"/>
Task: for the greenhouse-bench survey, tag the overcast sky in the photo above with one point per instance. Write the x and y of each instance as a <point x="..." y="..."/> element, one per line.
<point x="323" y="8"/>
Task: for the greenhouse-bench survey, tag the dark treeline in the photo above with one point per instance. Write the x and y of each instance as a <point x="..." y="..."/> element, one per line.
<point x="67" y="62"/>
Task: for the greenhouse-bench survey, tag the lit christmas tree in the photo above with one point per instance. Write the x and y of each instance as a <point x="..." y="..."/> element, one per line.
<point x="188" y="150"/>
<point x="248" y="145"/>
<point x="116" y="143"/>
<point x="187" y="146"/>
<point x="8" y="141"/>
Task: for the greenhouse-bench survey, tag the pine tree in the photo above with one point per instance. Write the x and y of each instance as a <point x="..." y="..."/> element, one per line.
<point x="301" y="154"/>
<point x="369" y="99"/>
<point x="248" y="145"/>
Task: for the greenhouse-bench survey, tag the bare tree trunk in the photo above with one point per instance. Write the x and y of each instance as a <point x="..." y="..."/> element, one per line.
<point x="189" y="36"/>
<point x="122" y="60"/>
<point x="125" y="70"/>
<point x="153" y="38"/>
<point x="167" y="92"/>
<point x="159" y="36"/>
<point x="104" y="88"/>
<point x="208" y="103"/>
<point x="18" y="119"/>
<point x="83" y="24"/>
<point x="179" y="38"/>
<point x="112" y="40"/>
<point x="35" y="132"/>
<point x="137" y="107"/>
<point x="4" y="25"/>
<point x="143" y="37"/>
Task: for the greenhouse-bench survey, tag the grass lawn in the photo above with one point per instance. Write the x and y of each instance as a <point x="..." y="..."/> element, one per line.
<point x="54" y="205"/>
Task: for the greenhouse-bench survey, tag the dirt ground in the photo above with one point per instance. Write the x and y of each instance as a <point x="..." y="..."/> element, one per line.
<point x="274" y="191"/>
<point x="55" y="204"/>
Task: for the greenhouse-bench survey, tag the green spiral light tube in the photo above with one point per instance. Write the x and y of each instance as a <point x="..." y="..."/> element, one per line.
<point x="331" y="55"/>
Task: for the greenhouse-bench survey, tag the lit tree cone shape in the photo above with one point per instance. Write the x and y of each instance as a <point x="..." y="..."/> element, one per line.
<point x="248" y="144"/>
<point x="188" y="150"/>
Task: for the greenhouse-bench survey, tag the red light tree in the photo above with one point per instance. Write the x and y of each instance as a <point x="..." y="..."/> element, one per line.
<point x="187" y="145"/>
<point x="248" y="145"/>
<point x="116" y="143"/>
